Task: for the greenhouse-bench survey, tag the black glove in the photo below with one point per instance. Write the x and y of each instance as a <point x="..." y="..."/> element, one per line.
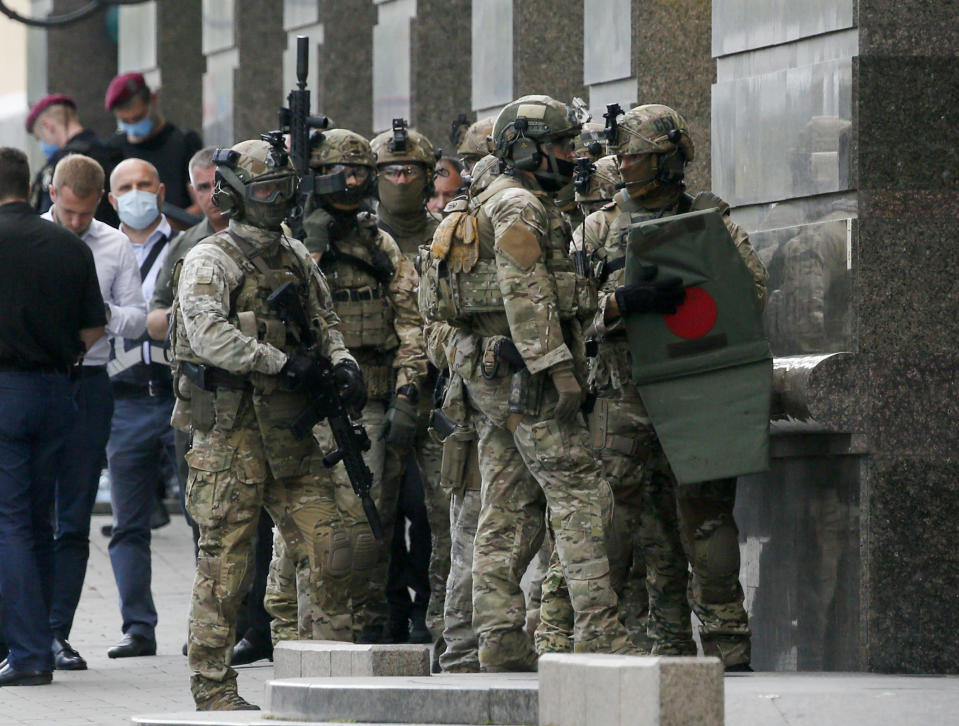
<point x="401" y="418"/>
<point x="350" y="381"/>
<point x="506" y="351"/>
<point x="301" y="371"/>
<point x="649" y="295"/>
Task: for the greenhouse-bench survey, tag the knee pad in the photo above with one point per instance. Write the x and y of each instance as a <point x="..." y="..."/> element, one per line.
<point x="338" y="559"/>
<point x="364" y="548"/>
<point x="717" y="558"/>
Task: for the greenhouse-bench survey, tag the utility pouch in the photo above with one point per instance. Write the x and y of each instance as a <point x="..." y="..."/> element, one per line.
<point x="202" y="414"/>
<point x="526" y="393"/>
<point x="457" y="448"/>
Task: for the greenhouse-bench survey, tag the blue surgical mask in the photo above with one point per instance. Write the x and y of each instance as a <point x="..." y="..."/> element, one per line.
<point x="138" y="209"/>
<point x="49" y="149"/>
<point x="141" y="129"/>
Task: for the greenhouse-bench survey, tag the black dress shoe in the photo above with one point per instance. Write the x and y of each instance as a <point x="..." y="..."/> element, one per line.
<point x="9" y="676"/>
<point x="248" y="651"/>
<point x="132" y="645"/>
<point x="65" y="658"/>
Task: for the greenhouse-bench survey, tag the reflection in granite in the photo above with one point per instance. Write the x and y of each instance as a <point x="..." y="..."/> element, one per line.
<point x="809" y="300"/>
<point x="799" y="541"/>
<point x="782" y="134"/>
<point x="740" y="25"/>
<point x="820" y="392"/>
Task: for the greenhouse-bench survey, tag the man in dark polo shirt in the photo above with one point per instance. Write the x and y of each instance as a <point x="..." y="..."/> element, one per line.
<point x="147" y="135"/>
<point x="51" y="312"/>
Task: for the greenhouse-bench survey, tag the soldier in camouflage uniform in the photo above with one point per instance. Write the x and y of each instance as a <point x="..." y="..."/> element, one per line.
<point x="374" y="295"/>
<point x="405" y="160"/>
<point x="474" y="144"/>
<point x="692" y="524"/>
<point x="588" y="144"/>
<point x="521" y="369"/>
<point x="238" y="380"/>
<point x="595" y="189"/>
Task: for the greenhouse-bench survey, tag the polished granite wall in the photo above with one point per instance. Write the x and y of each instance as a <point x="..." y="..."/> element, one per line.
<point x="834" y="137"/>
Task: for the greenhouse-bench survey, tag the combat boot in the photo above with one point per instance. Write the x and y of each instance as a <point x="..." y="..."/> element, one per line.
<point x="227" y="700"/>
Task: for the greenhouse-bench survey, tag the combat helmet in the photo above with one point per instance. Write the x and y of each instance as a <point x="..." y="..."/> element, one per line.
<point x="255" y="183"/>
<point x="650" y="129"/>
<point x="475" y="142"/>
<point x="403" y="145"/>
<point x="525" y="130"/>
<point x="591" y="141"/>
<point x="484" y="172"/>
<point x="342" y="151"/>
<point x="599" y="186"/>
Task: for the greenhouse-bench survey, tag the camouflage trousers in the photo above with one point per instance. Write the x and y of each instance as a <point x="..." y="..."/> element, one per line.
<point x="693" y="526"/>
<point x="539" y="461"/>
<point x="429" y="455"/>
<point x="620" y="437"/>
<point x="287" y="597"/>
<point x="228" y="484"/>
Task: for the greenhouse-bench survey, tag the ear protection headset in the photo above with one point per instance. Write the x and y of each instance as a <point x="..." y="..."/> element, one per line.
<point x="225" y="196"/>
<point x="523" y="150"/>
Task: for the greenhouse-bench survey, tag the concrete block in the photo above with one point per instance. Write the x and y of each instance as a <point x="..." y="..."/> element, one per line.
<point x="587" y="689"/>
<point x="334" y="659"/>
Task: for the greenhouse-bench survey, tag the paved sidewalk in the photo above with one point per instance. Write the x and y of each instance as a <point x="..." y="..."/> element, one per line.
<point x="111" y="691"/>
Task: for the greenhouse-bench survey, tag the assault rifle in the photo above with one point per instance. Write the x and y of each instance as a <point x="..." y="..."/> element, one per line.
<point x="325" y="402"/>
<point x="295" y="120"/>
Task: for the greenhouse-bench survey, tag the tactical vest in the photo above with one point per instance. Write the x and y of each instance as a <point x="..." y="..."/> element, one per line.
<point x="458" y="270"/>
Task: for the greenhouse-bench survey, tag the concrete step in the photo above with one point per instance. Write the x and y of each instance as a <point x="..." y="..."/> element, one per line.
<point x="237" y="718"/>
<point x="505" y="699"/>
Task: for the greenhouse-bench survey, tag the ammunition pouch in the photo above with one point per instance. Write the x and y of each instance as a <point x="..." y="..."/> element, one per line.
<point x="367" y="318"/>
<point x="459" y="469"/>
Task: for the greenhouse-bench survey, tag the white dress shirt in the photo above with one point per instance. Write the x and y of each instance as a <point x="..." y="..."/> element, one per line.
<point x="163" y="232"/>
<point x="119" y="276"/>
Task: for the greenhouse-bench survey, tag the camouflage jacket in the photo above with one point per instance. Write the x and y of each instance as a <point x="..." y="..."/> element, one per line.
<point x="603" y="237"/>
<point x="374" y="294"/>
<point x="205" y="298"/>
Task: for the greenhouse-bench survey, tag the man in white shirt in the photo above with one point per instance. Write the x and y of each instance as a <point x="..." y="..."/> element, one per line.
<point x="76" y="191"/>
<point x="141" y="440"/>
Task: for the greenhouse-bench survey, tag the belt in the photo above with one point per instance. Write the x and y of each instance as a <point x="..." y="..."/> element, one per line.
<point x="357" y="294"/>
<point x="90" y="371"/>
<point x="154" y="389"/>
<point x="219" y="378"/>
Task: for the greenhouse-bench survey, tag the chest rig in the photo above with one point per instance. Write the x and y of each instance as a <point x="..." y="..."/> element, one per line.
<point x="458" y="270"/>
<point x="359" y="275"/>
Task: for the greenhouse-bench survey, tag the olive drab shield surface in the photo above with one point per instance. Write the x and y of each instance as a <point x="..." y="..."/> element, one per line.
<point x="705" y="372"/>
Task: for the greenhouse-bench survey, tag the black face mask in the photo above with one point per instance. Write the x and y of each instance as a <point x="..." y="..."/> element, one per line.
<point x="553" y="181"/>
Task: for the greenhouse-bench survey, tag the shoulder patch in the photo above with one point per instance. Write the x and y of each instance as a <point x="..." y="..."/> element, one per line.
<point x="204" y="274"/>
<point x="520" y="243"/>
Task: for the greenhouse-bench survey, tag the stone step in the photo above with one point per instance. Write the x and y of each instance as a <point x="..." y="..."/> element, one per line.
<point x="332" y="659"/>
<point x="505" y="699"/>
<point x="237" y="718"/>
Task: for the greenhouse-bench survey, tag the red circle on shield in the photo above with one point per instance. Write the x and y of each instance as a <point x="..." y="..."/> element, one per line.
<point x="695" y="317"/>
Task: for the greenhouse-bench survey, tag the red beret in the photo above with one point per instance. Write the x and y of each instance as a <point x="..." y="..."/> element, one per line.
<point x="122" y="88"/>
<point x="44" y="103"/>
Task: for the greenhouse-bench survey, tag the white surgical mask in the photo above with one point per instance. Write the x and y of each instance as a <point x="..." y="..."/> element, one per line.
<point x="138" y="209"/>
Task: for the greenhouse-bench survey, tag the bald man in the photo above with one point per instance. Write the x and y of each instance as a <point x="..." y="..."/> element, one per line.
<point x="141" y="439"/>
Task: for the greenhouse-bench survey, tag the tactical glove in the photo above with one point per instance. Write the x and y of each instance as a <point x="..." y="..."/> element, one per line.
<point x="301" y="371"/>
<point x="570" y="393"/>
<point x="401" y="418"/>
<point x="349" y="379"/>
<point x="506" y="351"/>
<point x="649" y="295"/>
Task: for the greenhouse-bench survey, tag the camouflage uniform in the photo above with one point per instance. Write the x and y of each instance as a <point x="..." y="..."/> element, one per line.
<point x="679" y="525"/>
<point x="374" y="294"/>
<point x="243" y="455"/>
<point x="529" y="453"/>
<point x="406" y="219"/>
